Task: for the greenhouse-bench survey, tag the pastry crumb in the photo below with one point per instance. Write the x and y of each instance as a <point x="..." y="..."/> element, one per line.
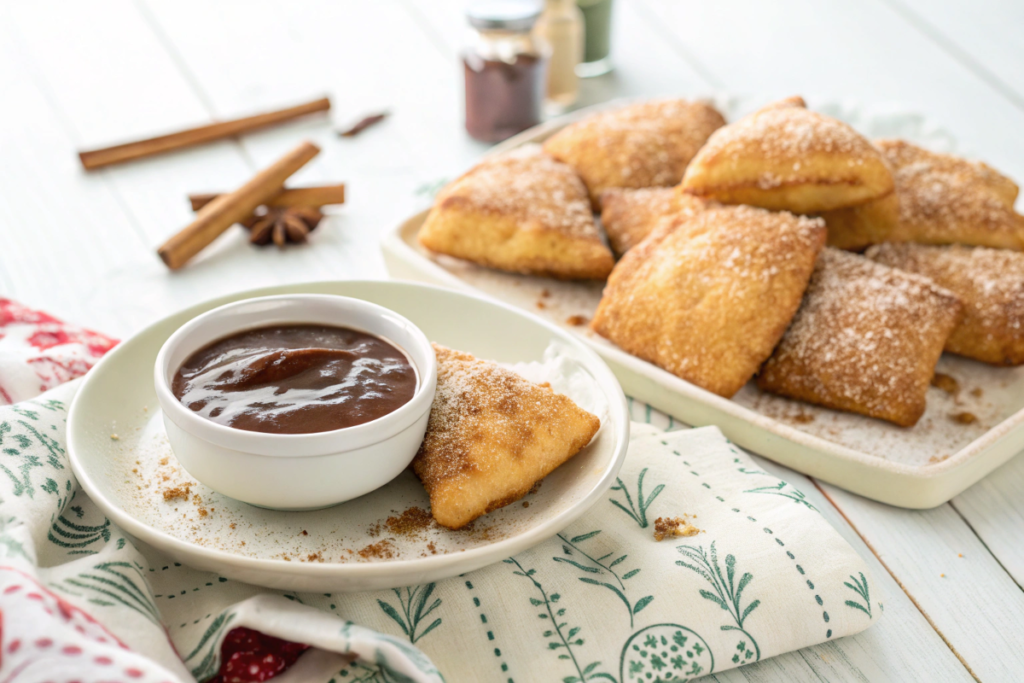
<point x="673" y="526"/>
<point x="946" y="383"/>
<point x="577" y="320"/>
<point x="177" y="492"/>
<point x="964" y="418"/>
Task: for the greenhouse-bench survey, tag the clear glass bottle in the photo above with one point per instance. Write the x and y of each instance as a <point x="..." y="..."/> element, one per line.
<point x="561" y="25"/>
<point x="505" y="67"/>
<point x="597" y="23"/>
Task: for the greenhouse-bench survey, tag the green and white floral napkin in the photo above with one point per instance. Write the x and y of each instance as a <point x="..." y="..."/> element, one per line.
<point x="601" y="601"/>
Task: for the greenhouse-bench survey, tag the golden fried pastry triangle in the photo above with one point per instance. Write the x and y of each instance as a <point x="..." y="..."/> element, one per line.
<point x="857" y="227"/>
<point x="989" y="282"/>
<point x="522" y="212"/>
<point x="492" y="435"/>
<point x="628" y="216"/>
<point x="707" y="298"/>
<point x="866" y="339"/>
<point x="945" y="199"/>
<point x="786" y="157"/>
<point x="647" y="144"/>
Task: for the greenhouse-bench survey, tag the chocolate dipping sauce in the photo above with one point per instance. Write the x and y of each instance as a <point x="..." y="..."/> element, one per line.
<point x="502" y="97"/>
<point x="295" y="379"/>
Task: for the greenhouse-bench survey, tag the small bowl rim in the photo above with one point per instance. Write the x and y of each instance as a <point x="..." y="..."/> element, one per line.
<point x="313" y="444"/>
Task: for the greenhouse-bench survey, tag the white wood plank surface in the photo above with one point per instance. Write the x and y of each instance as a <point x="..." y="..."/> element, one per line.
<point x="82" y="245"/>
<point x="985" y="36"/>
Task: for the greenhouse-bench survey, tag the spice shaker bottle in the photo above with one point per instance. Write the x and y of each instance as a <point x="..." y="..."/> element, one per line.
<point x="561" y="25"/>
<point x="597" y="25"/>
<point x="506" y="68"/>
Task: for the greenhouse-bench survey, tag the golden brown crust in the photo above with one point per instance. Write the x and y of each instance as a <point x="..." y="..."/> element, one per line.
<point x="521" y="212"/>
<point x="866" y="339"/>
<point x="989" y="282"/>
<point x="492" y="435"/>
<point x="640" y="145"/>
<point x="785" y="157"/>
<point x="628" y="216"/>
<point x="945" y="199"/>
<point x="707" y="298"/>
<point x="857" y="227"/>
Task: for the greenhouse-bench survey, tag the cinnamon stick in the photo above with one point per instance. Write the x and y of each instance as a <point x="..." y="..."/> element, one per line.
<point x="98" y="158"/>
<point x="289" y="196"/>
<point x="230" y="208"/>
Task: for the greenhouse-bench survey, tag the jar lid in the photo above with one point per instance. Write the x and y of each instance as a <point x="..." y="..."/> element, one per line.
<point x="507" y="15"/>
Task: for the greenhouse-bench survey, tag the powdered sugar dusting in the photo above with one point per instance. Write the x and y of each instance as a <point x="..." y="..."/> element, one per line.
<point x="530" y="186"/>
<point x="990" y="283"/>
<point x="947" y="199"/>
<point x="866" y="338"/>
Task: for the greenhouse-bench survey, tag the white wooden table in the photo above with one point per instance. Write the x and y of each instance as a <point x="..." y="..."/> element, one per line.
<point x="79" y="75"/>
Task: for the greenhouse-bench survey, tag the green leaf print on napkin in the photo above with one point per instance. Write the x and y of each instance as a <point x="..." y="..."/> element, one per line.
<point x="561" y="638"/>
<point x="638" y="512"/>
<point x="596" y="566"/>
<point x="665" y="652"/>
<point x="77" y="537"/>
<point x="786" y="490"/>
<point x="860" y="588"/>
<point x="727" y="593"/>
<point x="413" y="602"/>
<point x="113" y="583"/>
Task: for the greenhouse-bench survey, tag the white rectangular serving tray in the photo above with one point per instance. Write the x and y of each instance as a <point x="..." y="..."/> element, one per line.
<point x="920" y="467"/>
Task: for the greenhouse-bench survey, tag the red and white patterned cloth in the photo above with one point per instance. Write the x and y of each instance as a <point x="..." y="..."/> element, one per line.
<point x="39" y="352"/>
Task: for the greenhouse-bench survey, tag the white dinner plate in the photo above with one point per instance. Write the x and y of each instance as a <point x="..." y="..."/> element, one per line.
<point x="119" y="453"/>
<point x="920" y="467"/>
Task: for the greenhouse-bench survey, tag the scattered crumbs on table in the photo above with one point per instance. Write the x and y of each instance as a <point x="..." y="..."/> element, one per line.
<point x="541" y="305"/>
<point x="545" y="293"/>
<point x="526" y="503"/>
<point x="115" y="437"/>
<point x="964" y="418"/>
<point x="935" y="459"/>
<point x="946" y="383"/>
<point x="304" y="532"/>
<point x="181" y="491"/>
<point x="410" y="523"/>
<point x="577" y="320"/>
<point x="380" y="550"/>
<point x="977" y="392"/>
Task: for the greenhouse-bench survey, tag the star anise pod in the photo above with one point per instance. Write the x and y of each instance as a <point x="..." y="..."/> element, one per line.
<point x="283" y="225"/>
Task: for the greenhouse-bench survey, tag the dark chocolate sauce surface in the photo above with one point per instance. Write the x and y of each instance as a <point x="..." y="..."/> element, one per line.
<point x="295" y="379"/>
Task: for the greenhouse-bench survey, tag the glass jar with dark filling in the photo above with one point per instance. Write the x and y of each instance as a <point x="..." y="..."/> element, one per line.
<point x="295" y="379"/>
<point x="505" y="69"/>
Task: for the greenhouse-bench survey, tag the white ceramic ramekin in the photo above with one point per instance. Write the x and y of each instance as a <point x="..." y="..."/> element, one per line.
<point x="296" y="471"/>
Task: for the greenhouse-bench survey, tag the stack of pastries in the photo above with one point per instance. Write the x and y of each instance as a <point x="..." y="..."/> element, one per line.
<point x="784" y="245"/>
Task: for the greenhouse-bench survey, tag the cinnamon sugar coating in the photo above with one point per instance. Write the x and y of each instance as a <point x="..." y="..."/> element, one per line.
<point x="522" y="212"/>
<point x="491" y="437"/>
<point x="945" y="199"/>
<point x="647" y="144"/>
<point x="628" y="216"/>
<point x="866" y="339"/>
<point x="707" y="298"/>
<point x="989" y="282"/>
<point x="785" y="157"/>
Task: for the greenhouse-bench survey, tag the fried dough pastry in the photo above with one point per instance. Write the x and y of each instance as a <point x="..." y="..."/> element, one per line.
<point x="520" y="212"/>
<point x="491" y="436"/>
<point x="628" y="216"/>
<point x="944" y="199"/>
<point x="866" y="339"/>
<point x="707" y="298"/>
<point x="989" y="282"/>
<point x="640" y="145"/>
<point x="858" y="227"/>
<point x="785" y="157"/>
